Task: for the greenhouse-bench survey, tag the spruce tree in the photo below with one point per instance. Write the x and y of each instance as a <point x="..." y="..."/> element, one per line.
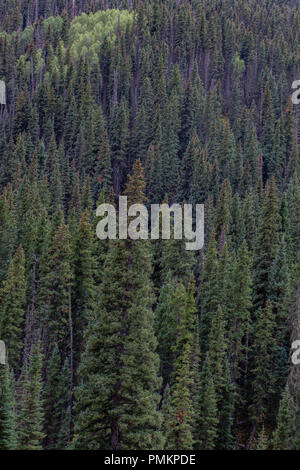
<point x="12" y="308"/>
<point x="208" y="417"/>
<point x="284" y="433"/>
<point x="266" y="245"/>
<point x="182" y="412"/>
<point x="8" y="425"/>
<point x="55" y="308"/>
<point x="239" y="318"/>
<point x="56" y="398"/>
<point x="262" y="353"/>
<point x="116" y="401"/>
<point x="30" y="415"/>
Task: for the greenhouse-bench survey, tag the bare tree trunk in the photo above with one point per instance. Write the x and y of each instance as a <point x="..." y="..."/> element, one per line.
<point x="30" y="317"/>
<point x="36" y="10"/>
<point x="251" y="436"/>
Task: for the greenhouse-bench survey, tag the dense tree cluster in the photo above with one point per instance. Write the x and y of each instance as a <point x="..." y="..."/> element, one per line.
<point x="141" y="344"/>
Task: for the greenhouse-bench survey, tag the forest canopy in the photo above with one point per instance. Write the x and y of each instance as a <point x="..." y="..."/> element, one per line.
<point x="142" y="344"/>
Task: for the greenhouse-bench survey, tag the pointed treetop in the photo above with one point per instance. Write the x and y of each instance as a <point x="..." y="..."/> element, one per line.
<point x="136" y="185"/>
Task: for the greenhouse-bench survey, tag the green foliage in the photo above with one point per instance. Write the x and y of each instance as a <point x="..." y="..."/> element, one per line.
<point x="12" y="308"/>
<point x="30" y="415"/>
<point x="263" y="357"/>
<point x="208" y="420"/>
<point x="199" y="94"/>
<point x="88" y="33"/>
<point x="8" y="426"/>
<point x="119" y="368"/>
<point x="283" y="438"/>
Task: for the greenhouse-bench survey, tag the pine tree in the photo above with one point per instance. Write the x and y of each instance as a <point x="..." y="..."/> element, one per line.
<point x="168" y="311"/>
<point x="266" y="245"/>
<point x="224" y="392"/>
<point x="187" y="166"/>
<point x="65" y="407"/>
<point x="222" y="214"/>
<point x="263" y="359"/>
<point x="209" y="293"/>
<point x="208" y="421"/>
<point x="119" y="368"/>
<point x="239" y="318"/>
<point x="8" y="234"/>
<point x="12" y="308"/>
<point x="217" y="350"/>
<point x="119" y="143"/>
<point x="182" y="413"/>
<point x="183" y="377"/>
<point x="268" y="130"/>
<point x="56" y="398"/>
<point x="83" y="291"/>
<point x="30" y="405"/>
<point x="103" y="171"/>
<point x="8" y="429"/>
<point x="227" y="151"/>
<point x="166" y="419"/>
<point x="285" y="431"/>
<point x="175" y="259"/>
<point x="262" y="440"/>
<point x="55" y="309"/>
<point x="296" y="445"/>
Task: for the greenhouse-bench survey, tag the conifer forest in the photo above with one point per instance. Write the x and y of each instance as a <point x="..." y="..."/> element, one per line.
<point x="142" y="344"/>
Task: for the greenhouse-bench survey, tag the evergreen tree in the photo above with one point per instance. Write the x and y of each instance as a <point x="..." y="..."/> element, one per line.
<point x="8" y="427"/>
<point x="182" y="413"/>
<point x="284" y="433"/>
<point x="30" y="405"/>
<point x="262" y="440"/>
<point x="120" y="357"/>
<point x="56" y="402"/>
<point x="12" y="308"/>
<point x="208" y="420"/>
<point x="239" y="319"/>
<point x="263" y="360"/>
<point x="266" y="245"/>
<point x="55" y="309"/>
